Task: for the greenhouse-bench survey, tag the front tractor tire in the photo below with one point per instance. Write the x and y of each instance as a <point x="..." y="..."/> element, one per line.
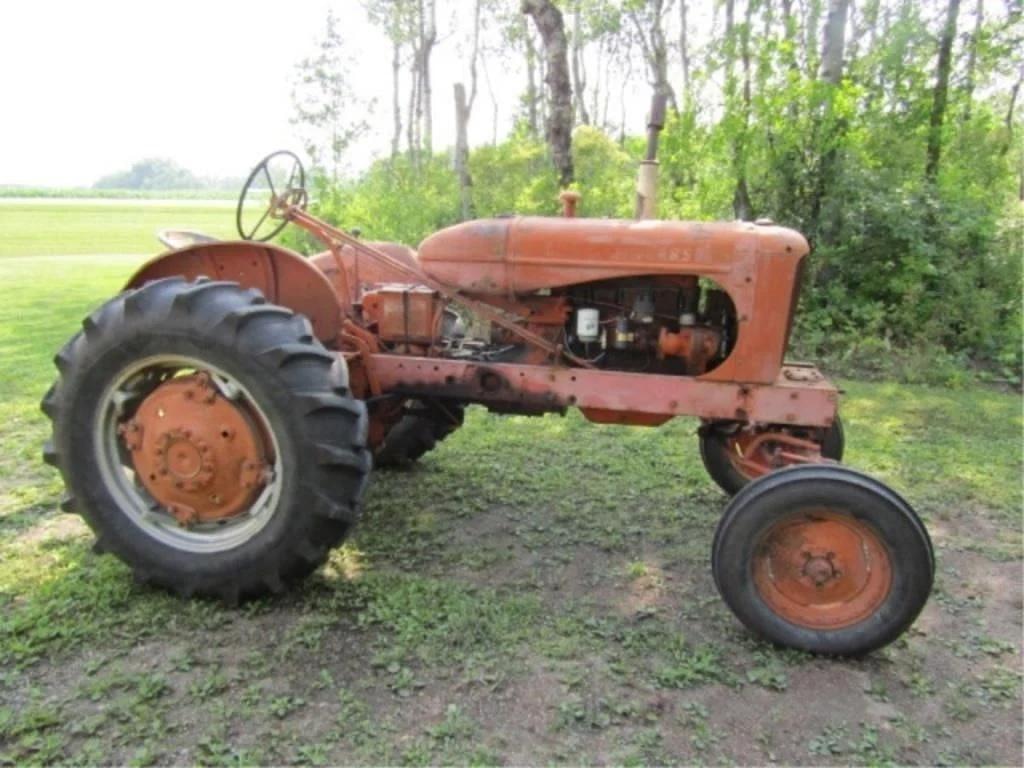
<point x="823" y="559"/>
<point x="207" y="438"/>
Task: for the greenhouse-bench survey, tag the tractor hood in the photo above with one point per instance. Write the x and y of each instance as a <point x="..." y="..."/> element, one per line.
<point x="525" y="254"/>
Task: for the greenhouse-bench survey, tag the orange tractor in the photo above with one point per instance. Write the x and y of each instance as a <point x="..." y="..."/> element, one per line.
<point x="216" y="422"/>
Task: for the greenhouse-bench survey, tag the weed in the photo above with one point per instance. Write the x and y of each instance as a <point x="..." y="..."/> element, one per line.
<point x="208" y="686"/>
<point x="830" y="742"/>
<point x="695" y="717"/>
<point x="688" y="666"/>
<point x="151" y="687"/>
<point x="315" y="754"/>
<point x="768" y="672"/>
<point x="455" y="727"/>
<point x="282" y="706"/>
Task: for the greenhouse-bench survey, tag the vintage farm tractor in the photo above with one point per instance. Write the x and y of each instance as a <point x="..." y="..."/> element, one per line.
<point x="216" y="422"/>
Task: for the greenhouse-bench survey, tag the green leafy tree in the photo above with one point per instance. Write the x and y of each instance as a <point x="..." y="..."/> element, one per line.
<point x="326" y="114"/>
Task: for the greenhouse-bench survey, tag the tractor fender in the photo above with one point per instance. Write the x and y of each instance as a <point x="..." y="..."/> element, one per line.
<point x="283" y="276"/>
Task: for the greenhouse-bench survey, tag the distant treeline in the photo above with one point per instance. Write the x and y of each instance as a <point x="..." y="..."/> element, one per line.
<point x="157" y="173"/>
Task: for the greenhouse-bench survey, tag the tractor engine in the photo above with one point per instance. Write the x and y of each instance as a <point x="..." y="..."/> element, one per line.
<point x="663" y="325"/>
<point x="673" y="325"/>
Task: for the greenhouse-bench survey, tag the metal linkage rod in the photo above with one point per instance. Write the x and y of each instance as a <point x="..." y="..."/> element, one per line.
<point x="335" y="238"/>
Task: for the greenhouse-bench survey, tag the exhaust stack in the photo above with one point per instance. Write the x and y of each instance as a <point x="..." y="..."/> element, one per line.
<point x="647" y="174"/>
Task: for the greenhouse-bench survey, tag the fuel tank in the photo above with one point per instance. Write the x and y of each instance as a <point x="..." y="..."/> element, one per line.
<point x="524" y="254"/>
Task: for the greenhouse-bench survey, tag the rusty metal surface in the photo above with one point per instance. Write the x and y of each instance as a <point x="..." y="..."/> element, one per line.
<point x="553" y="388"/>
<point x="196" y="452"/>
<point x="403" y="313"/>
<point x="362" y="273"/>
<point x="755" y="453"/>
<point x="822" y="569"/>
<point x="524" y="254"/>
<point x="756" y="265"/>
<point x="283" y="276"/>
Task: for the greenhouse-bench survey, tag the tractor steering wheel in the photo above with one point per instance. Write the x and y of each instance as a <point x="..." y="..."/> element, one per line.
<point x="281" y="178"/>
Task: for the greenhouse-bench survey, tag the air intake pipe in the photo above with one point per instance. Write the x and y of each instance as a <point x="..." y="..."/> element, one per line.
<point x="647" y="175"/>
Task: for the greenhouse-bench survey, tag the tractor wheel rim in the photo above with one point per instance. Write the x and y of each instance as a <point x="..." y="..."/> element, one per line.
<point x="737" y="447"/>
<point x="822" y="569"/>
<point x="752" y="455"/>
<point x="183" y="495"/>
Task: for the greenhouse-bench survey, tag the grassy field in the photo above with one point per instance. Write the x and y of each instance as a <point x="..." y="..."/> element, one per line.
<point x="77" y="193"/>
<point x="536" y="591"/>
<point x="79" y="227"/>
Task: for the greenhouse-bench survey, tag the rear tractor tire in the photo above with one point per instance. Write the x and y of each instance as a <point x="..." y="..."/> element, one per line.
<point x="823" y="559"/>
<point x="722" y="445"/>
<point x="421" y="428"/>
<point x="207" y="438"/>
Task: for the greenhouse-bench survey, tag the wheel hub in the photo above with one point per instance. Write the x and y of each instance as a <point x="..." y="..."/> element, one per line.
<point x="184" y="458"/>
<point x="819" y="569"/>
<point x="197" y="453"/>
<point x="822" y="569"/>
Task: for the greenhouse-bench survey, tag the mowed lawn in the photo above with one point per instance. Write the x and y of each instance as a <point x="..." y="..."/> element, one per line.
<point x="48" y="227"/>
<point x="535" y="591"/>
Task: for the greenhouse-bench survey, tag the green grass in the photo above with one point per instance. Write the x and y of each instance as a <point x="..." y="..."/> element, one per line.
<point x="64" y="193"/>
<point x="82" y="227"/>
<point x="536" y="591"/>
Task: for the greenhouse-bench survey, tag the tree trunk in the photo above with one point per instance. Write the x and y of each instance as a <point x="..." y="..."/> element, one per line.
<point x="825" y="218"/>
<point x="412" y="120"/>
<point x="730" y="46"/>
<point x="660" y="53"/>
<point x="655" y="53"/>
<point x="941" y="92"/>
<point x="462" y="111"/>
<point x="972" y="59"/>
<point x="834" y="42"/>
<point x="812" y="15"/>
<point x="579" y="75"/>
<point x="741" y="204"/>
<point x="789" y="27"/>
<point x="494" y="103"/>
<point x="599" y="84"/>
<point x="1014" y="94"/>
<point x="396" y="107"/>
<point x="531" y="81"/>
<point x="684" y="51"/>
<point x="551" y="27"/>
<point x="853" y="23"/>
<point x="428" y="38"/>
<point x="741" y="193"/>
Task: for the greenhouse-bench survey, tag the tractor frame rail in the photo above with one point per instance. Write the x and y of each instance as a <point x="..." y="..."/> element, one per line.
<point x="801" y="395"/>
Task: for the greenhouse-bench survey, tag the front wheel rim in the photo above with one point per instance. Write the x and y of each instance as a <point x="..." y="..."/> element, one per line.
<point x="122" y="398"/>
<point x="822" y="569"/>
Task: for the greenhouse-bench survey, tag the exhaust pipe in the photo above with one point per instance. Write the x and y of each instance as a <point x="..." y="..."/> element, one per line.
<point x="647" y="175"/>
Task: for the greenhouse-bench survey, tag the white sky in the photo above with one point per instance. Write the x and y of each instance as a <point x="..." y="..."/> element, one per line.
<point x="90" y="86"/>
